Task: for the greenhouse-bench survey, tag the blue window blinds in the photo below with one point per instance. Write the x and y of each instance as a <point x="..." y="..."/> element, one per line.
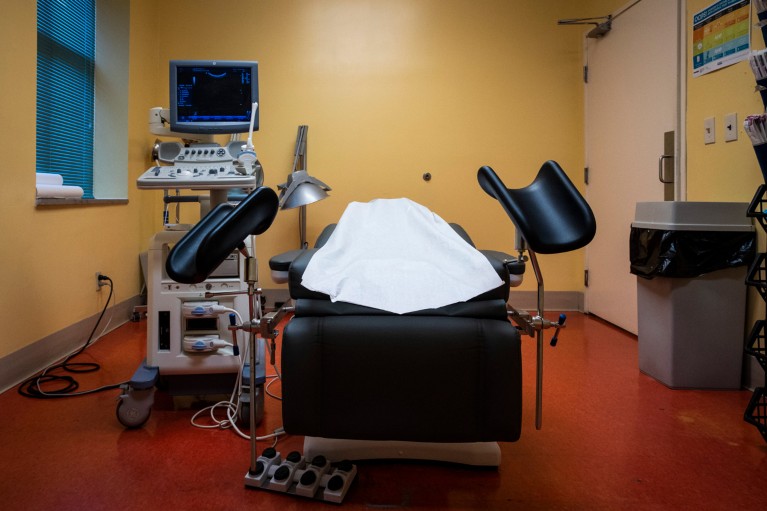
<point x="66" y="51"/>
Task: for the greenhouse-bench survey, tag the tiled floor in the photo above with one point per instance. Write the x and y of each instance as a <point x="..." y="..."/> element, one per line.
<point x="612" y="438"/>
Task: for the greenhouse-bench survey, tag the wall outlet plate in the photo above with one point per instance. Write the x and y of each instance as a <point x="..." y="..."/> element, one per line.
<point x="709" y="130"/>
<point x="731" y="127"/>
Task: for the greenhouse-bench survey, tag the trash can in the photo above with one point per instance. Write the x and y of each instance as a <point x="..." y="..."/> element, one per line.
<point x="691" y="260"/>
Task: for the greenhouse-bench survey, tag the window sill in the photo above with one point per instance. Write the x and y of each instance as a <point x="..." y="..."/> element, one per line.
<point x="78" y="202"/>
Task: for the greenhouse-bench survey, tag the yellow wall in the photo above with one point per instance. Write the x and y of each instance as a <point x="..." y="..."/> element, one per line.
<point x="724" y="171"/>
<point x="390" y="90"/>
<point x="393" y="89"/>
<point x="50" y="255"/>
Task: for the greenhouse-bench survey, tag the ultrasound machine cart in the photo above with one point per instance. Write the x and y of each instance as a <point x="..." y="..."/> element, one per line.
<point x="192" y="347"/>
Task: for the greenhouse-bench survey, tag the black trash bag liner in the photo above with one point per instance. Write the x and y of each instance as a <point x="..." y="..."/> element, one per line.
<point x="688" y="254"/>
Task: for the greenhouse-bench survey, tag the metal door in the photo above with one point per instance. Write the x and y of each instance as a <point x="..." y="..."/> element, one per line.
<point x="632" y="103"/>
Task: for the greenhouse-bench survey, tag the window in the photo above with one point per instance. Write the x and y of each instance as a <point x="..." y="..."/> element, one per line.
<point x="66" y="54"/>
<point x="82" y="94"/>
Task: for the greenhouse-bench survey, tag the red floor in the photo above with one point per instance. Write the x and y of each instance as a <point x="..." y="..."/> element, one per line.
<point x="612" y="438"/>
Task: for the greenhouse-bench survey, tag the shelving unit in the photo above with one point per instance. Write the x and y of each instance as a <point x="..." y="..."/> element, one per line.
<point x="756" y="343"/>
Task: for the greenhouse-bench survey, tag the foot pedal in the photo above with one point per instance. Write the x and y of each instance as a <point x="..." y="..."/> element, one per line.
<point x="338" y="482"/>
<point x="268" y="459"/>
<point x="311" y="479"/>
<point x="316" y="479"/>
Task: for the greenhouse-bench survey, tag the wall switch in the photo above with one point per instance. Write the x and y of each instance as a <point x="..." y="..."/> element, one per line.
<point x="709" y="131"/>
<point x="731" y="127"/>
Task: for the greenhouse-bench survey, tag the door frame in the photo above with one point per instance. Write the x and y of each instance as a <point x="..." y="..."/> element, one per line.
<point x="680" y="162"/>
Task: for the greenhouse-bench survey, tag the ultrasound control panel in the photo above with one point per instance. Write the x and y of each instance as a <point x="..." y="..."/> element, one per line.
<point x="199" y="167"/>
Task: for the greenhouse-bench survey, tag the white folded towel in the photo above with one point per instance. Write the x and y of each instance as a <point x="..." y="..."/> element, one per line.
<point x="51" y="186"/>
<point x="396" y="255"/>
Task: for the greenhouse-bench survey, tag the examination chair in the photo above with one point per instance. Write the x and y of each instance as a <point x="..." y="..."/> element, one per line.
<point x="442" y="384"/>
<point x="447" y="375"/>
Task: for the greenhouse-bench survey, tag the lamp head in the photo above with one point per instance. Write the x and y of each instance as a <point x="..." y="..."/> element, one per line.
<point x="301" y="189"/>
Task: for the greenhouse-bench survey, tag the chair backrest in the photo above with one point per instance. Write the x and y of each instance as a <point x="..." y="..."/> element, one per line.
<point x="550" y="213"/>
<point x="218" y="234"/>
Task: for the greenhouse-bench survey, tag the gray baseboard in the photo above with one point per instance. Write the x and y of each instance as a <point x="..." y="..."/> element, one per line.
<point x="30" y="360"/>
<point x="552" y="300"/>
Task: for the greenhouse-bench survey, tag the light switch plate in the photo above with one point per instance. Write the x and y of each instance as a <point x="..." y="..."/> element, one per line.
<point x="731" y="127"/>
<point x="709" y="130"/>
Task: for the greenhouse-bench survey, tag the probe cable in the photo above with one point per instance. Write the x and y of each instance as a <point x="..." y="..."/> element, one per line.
<point x="32" y="387"/>
<point x="232" y="406"/>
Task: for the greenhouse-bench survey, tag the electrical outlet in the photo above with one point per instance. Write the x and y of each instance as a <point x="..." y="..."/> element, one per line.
<point x="709" y="131"/>
<point x="99" y="283"/>
<point x="731" y="127"/>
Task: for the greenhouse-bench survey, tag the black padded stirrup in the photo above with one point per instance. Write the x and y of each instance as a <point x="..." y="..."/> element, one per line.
<point x="550" y="213"/>
<point x="218" y="234"/>
<point x="181" y="264"/>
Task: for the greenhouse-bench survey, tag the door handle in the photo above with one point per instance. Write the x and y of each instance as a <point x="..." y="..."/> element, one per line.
<point x="660" y="168"/>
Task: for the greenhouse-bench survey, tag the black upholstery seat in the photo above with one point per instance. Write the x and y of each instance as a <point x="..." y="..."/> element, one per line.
<point x="451" y="374"/>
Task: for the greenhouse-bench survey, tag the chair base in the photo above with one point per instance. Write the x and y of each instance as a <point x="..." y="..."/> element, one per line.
<point x="483" y="454"/>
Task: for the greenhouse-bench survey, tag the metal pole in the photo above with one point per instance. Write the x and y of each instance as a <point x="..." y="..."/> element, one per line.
<point x="539" y="340"/>
<point x="251" y="276"/>
<point x="252" y="414"/>
<point x="302" y="227"/>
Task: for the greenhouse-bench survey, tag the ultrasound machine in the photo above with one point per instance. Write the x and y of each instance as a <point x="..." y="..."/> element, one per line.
<point x="192" y="348"/>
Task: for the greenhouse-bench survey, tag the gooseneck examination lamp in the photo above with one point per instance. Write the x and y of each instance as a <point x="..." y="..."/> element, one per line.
<point x="301" y="189"/>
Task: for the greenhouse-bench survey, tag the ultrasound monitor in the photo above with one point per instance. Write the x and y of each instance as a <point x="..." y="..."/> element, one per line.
<point x="213" y="96"/>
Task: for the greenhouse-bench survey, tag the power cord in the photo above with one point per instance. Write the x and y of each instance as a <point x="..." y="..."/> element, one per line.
<point x="68" y="385"/>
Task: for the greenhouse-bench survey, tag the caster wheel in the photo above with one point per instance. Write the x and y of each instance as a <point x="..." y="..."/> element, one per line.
<point x="131" y="414"/>
<point x="244" y="414"/>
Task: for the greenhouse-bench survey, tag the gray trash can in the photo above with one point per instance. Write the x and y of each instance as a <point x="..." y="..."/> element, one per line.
<point x="691" y="260"/>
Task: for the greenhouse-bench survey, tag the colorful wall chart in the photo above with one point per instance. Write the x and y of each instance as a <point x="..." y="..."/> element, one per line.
<point x="721" y="35"/>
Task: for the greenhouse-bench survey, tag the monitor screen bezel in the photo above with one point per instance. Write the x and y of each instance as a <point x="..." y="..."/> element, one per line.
<point x="210" y="127"/>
